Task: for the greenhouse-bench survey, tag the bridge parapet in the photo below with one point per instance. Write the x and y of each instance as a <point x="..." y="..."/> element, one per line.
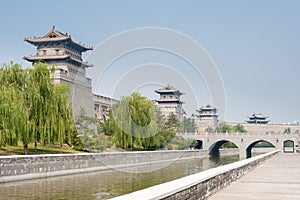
<point x="238" y="133"/>
<point x="212" y="141"/>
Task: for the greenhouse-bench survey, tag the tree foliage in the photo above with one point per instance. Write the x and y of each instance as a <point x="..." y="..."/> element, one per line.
<point x="32" y="109"/>
<point x="209" y="130"/>
<point x="193" y="144"/>
<point x="134" y="123"/>
<point x="287" y="131"/>
<point x="228" y="145"/>
<point x="85" y="124"/>
<point x="224" y="127"/>
<point x="96" y="142"/>
<point x="172" y="123"/>
<point x="87" y="139"/>
<point x="168" y="131"/>
<point x="238" y="129"/>
<point x="188" y="125"/>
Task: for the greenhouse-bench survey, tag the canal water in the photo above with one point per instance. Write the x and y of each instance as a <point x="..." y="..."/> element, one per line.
<point x="105" y="184"/>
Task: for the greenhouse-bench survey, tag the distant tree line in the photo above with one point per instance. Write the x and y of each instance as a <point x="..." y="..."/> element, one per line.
<point x="224" y="127"/>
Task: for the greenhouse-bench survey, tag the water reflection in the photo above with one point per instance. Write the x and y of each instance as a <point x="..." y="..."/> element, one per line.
<point x="105" y="184"/>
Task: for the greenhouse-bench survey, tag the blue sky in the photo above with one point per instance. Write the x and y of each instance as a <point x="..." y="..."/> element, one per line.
<point x="255" y="44"/>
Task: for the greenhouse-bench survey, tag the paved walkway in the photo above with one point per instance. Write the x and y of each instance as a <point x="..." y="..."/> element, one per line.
<point x="277" y="178"/>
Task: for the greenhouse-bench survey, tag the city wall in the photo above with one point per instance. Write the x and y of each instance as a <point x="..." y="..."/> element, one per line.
<point x="15" y="168"/>
<point x="200" y="185"/>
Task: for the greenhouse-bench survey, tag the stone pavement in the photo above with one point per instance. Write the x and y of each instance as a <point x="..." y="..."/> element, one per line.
<point x="277" y="178"/>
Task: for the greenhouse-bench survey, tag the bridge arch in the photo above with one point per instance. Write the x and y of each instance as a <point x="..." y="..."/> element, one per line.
<point x="252" y="144"/>
<point x="199" y="144"/>
<point x="288" y="146"/>
<point x="214" y="149"/>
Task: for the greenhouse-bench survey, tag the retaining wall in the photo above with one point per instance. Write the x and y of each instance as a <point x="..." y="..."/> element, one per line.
<point x="262" y="150"/>
<point x="229" y="152"/>
<point x="15" y="168"/>
<point x="200" y="185"/>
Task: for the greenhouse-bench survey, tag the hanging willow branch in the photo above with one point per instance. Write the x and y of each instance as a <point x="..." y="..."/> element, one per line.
<point x="32" y="109"/>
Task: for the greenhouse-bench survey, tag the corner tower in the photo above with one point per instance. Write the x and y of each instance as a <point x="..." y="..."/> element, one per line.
<point x="65" y="55"/>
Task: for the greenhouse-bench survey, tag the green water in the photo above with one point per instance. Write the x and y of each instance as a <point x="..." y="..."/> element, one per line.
<point x="105" y="184"/>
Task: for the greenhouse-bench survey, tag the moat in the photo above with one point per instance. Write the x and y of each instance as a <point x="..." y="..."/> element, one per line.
<point x="105" y="184"/>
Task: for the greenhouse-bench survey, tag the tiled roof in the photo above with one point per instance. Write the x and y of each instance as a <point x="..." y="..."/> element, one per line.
<point x="56" y="57"/>
<point x="257" y="115"/>
<point x="169" y="89"/>
<point x="82" y="62"/>
<point x="45" y="57"/>
<point x="169" y="101"/>
<point x="55" y="35"/>
<point x="206" y="108"/>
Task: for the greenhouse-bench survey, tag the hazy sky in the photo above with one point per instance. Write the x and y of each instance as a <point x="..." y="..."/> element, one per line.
<point x="255" y="44"/>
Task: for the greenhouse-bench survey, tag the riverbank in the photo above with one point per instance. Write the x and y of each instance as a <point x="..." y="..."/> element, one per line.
<point x="16" y="168"/>
<point x="41" y="149"/>
<point x="102" y="185"/>
<point x="201" y="185"/>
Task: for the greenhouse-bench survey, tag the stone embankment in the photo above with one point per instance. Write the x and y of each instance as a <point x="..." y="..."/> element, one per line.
<point x="15" y="168"/>
<point x="201" y="185"/>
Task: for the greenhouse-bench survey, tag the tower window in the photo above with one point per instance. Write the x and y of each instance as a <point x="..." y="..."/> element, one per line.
<point x="56" y="51"/>
<point x="44" y="52"/>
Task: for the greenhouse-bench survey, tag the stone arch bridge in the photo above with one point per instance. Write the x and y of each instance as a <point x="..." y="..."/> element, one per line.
<point x="244" y="141"/>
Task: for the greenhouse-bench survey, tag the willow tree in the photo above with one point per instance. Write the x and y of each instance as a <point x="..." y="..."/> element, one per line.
<point x="133" y="123"/>
<point x="12" y="117"/>
<point x="13" y="113"/>
<point x="61" y="118"/>
<point x="32" y="109"/>
<point x="144" y="125"/>
<point x="120" y="124"/>
<point x="49" y="110"/>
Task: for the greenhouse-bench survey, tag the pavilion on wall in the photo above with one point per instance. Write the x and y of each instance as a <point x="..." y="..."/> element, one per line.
<point x="258" y="118"/>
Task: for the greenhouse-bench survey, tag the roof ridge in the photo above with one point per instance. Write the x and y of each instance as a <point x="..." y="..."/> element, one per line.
<point x="56" y="33"/>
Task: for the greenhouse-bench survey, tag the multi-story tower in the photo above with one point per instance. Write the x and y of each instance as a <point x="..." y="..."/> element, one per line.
<point x="65" y="55"/>
<point x="169" y="102"/>
<point x="207" y="118"/>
